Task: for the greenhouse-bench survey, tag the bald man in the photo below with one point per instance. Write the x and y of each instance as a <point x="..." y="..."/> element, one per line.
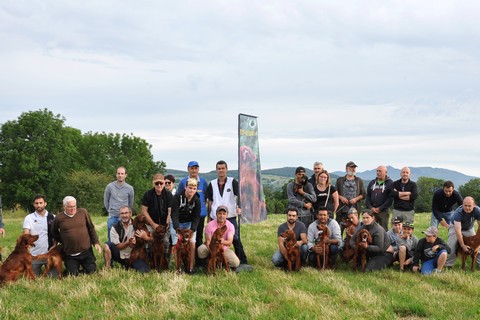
<point x="379" y="196"/>
<point x="463" y="220"/>
<point x="405" y="192"/>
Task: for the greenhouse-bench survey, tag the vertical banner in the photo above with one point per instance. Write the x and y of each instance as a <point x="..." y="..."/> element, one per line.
<point x="252" y="199"/>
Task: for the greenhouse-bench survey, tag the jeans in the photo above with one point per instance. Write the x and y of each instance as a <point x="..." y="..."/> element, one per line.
<point x="110" y="223"/>
<point x="279" y="261"/>
<point x="429" y="265"/>
<point x="332" y="257"/>
<point x="445" y="215"/>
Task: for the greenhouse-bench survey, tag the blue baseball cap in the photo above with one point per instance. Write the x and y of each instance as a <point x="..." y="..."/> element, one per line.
<point x="193" y="164"/>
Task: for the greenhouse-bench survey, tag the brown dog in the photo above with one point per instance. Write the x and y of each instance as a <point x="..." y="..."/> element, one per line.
<point x="474" y="243"/>
<point x="139" y="251"/>
<point x="293" y="252"/>
<point x="158" y="248"/>
<point x="20" y="260"/>
<point x="54" y="260"/>
<point x="322" y="235"/>
<point x="365" y="237"/>
<point x="182" y="249"/>
<point x="217" y="254"/>
<point x="348" y="250"/>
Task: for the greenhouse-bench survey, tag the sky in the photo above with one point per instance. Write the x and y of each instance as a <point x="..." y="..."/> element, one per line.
<point x="377" y="82"/>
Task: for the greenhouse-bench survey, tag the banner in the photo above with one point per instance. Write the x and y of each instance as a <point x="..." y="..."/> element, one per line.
<point x="252" y="199"/>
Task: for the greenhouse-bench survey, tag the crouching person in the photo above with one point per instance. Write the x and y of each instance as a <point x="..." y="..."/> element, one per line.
<point x="300" y="230"/>
<point x="334" y="241"/>
<point x="221" y="220"/>
<point x="122" y="240"/>
<point x="432" y="251"/>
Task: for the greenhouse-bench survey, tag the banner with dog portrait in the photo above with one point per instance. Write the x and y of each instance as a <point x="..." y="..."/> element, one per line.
<point x="252" y="199"/>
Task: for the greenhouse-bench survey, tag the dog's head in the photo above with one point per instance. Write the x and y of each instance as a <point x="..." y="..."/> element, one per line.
<point x="364" y="236"/>
<point x="159" y="231"/>
<point x="289" y="235"/>
<point x="323" y="231"/>
<point x="27" y="240"/>
<point x="140" y="222"/>
<point x="218" y="234"/>
<point x="184" y="235"/>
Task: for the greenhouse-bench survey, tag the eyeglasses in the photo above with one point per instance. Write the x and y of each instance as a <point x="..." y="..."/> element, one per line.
<point x="125" y="212"/>
<point x="159" y="183"/>
<point x="168" y="182"/>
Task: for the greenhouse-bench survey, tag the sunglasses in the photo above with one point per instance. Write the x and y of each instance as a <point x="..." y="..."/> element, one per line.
<point x="168" y="182"/>
<point x="159" y="183"/>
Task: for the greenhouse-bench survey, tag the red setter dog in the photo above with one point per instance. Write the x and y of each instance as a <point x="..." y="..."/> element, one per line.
<point x="20" y="260"/>
<point x="474" y="243"/>
<point x="217" y="254"/>
<point x="348" y="250"/>
<point x="182" y="249"/>
<point x="139" y="251"/>
<point x="158" y="248"/>
<point x="54" y="260"/>
<point x="365" y="237"/>
<point x="293" y="252"/>
<point x="322" y="235"/>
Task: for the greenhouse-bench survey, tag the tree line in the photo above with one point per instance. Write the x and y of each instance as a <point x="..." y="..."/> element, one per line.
<point x="40" y="154"/>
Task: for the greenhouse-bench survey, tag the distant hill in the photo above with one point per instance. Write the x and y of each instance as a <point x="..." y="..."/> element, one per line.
<point x="276" y="178"/>
<point x="417" y="172"/>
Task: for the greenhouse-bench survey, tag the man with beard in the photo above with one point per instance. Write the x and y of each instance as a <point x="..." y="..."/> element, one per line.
<point x="300" y="230"/>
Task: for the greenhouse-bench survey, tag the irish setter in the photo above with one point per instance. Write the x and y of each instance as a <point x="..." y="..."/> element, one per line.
<point x="54" y="260"/>
<point x="19" y="261"/>
<point x="293" y="252"/>
<point x="182" y="249"/>
<point x="158" y="248"/>
<point x="322" y="235"/>
<point x="365" y="237"/>
<point x="348" y="250"/>
<point x="139" y="251"/>
<point x="217" y="254"/>
<point x="474" y="243"/>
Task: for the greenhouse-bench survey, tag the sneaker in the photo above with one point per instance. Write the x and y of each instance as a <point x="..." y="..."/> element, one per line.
<point x="437" y="271"/>
<point x="244" y="267"/>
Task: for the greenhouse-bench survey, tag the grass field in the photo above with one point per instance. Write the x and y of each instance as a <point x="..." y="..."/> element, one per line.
<point x="265" y="293"/>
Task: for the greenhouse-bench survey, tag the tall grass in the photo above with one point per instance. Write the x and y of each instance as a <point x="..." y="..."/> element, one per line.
<point x="265" y="293"/>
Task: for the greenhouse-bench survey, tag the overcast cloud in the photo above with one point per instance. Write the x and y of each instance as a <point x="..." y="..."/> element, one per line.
<point x="377" y="82"/>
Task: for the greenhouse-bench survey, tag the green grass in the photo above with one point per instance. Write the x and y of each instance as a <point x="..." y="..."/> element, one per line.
<point x="265" y="293"/>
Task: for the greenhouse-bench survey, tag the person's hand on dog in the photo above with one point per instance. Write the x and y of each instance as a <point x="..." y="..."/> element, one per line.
<point x="364" y="245"/>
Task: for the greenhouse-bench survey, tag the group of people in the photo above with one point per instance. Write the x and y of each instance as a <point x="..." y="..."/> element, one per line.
<point x="185" y="207"/>
<point x="315" y="201"/>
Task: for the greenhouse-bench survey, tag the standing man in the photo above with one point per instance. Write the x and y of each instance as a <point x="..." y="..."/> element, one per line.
<point x="300" y="230"/>
<point x="335" y="241"/>
<point x="317" y="168"/>
<point x="74" y="229"/>
<point x="39" y="222"/>
<point x="462" y="224"/>
<point x="443" y="202"/>
<point x="301" y="196"/>
<point x="117" y="193"/>
<point x="224" y="191"/>
<point x="351" y="191"/>
<point x="404" y="194"/>
<point x="193" y="169"/>
<point x="157" y="209"/>
<point x="220" y="221"/>
<point x="379" y="196"/>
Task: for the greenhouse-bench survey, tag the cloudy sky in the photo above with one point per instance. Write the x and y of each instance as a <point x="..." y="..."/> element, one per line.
<point x="377" y="82"/>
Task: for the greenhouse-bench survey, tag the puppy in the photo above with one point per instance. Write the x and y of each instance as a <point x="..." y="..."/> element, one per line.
<point x="293" y="252"/>
<point x="158" y="248"/>
<point x="139" y="251"/>
<point x="19" y="261"/>
<point x="54" y="260"/>
<point x="217" y="254"/>
<point x="322" y="235"/>
<point x="363" y="237"/>
<point x="182" y="249"/>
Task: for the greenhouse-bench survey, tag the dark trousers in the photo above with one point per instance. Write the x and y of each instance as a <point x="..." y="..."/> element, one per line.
<point x="201" y="225"/>
<point x="237" y="242"/>
<point x="138" y="264"/>
<point x="86" y="260"/>
<point x="379" y="261"/>
<point x="332" y="257"/>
